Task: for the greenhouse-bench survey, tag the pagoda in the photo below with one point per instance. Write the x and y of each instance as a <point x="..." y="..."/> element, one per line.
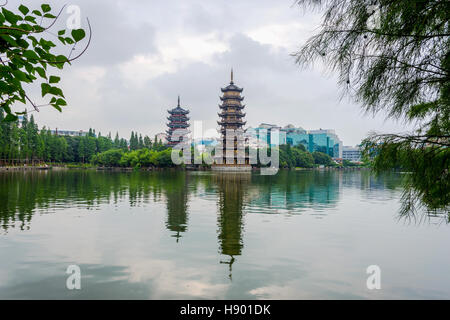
<point x="231" y="118"/>
<point x="178" y="121"/>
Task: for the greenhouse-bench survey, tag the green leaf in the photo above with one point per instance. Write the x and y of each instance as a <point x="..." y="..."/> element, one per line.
<point x="10" y="118"/>
<point x="61" y="32"/>
<point x="45" y="88"/>
<point x="24" y="9"/>
<point x="10" y="16"/>
<point x="54" y="79"/>
<point x="78" y="34"/>
<point x="46" y="8"/>
<point x="57" y="107"/>
<point x="56" y="91"/>
<point x="37" y="13"/>
<point x="30" y="19"/>
<point x="69" y="40"/>
<point x="41" y="72"/>
<point x="61" y="102"/>
<point x="49" y="15"/>
<point x="30" y="54"/>
<point x="22" y="76"/>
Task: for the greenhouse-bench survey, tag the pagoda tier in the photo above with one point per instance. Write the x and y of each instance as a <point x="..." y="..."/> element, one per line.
<point x="173" y="125"/>
<point x="233" y="122"/>
<point x="232" y="106"/>
<point x="178" y="118"/>
<point x="231" y="114"/>
<point x="228" y="98"/>
<point x="178" y="122"/>
<point x="231" y="118"/>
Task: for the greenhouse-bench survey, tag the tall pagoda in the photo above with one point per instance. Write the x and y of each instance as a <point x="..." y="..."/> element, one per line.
<point x="231" y="118"/>
<point x="178" y="121"/>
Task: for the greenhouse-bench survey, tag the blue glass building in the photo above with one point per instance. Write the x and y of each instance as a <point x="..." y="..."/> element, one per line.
<point x="325" y="141"/>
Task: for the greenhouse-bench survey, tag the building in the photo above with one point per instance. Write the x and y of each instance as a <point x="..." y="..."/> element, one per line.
<point x="265" y="134"/>
<point x="321" y="140"/>
<point x="325" y="141"/>
<point x="178" y="125"/>
<point x="296" y="136"/>
<point x="351" y="153"/>
<point x="161" y="137"/>
<point x="70" y="133"/>
<point x="233" y="157"/>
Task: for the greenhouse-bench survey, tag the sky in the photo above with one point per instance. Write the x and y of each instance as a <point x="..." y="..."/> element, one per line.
<point x="143" y="54"/>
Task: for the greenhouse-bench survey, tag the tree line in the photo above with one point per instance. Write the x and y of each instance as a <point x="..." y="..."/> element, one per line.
<point x="23" y="142"/>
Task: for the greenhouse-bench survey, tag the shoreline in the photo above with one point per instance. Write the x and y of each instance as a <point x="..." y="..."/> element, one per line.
<point x="127" y="169"/>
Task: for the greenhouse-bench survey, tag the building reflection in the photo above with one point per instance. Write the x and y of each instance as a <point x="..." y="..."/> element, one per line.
<point x="231" y="192"/>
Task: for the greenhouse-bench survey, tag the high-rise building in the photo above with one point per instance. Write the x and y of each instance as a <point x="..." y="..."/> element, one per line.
<point x="178" y="125"/>
<point x="321" y="140"/>
<point x="268" y="134"/>
<point x="233" y="157"/>
<point x="325" y="141"/>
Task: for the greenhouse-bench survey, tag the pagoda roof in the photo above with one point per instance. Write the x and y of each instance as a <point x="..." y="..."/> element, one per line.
<point x="231" y="86"/>
<point x="178" y="109"/>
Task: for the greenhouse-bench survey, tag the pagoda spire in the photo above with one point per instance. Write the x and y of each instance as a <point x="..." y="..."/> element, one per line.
<point x="231" y="76"/>
<point x="178" y="100"/>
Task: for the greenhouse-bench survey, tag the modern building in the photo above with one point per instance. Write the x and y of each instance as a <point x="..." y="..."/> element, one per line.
<point x="351" y="153"/>
<point x="70" y="133"/>
<point x="267" y="134"/>
<point x="233" y="157"/>
<point x="325" y="141"/>
<point x="296" y="136"/>
<point x="178" y="125"/>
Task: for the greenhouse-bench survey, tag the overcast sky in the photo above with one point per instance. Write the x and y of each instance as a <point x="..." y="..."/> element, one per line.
<point x="144" y="53"/>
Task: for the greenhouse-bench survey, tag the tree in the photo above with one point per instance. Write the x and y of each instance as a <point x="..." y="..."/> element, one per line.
<point x="394" y="56"/>
<point x="322" y="158"/>
<point x="26" y="56"/>
<point x="117" y="141"/>
<point x="302" y="158"/>
<point x="147" y="142"/>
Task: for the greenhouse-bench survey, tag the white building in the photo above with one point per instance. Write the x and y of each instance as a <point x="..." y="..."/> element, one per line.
<point x="351" y="153"/>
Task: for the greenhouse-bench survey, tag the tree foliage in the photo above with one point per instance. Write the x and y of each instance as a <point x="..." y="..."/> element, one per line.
<point x="26" y="57"/>
<point x="394" y="56"/>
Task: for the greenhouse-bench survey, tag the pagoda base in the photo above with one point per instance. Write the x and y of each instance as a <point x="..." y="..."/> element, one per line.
<point x="231" y="167"/>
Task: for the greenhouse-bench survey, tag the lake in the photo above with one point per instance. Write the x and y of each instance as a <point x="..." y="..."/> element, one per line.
<point x="204" y="235"/>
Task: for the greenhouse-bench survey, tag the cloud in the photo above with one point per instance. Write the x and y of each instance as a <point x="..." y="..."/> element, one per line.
<point x="143" y="54"/>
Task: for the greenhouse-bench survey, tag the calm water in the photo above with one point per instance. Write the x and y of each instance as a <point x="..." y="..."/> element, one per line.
<point x="195" y="235"/>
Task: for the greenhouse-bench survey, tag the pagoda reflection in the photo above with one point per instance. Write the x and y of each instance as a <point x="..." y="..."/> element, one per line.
<point x="176" y="193"/>
<point x="231" y="192"/>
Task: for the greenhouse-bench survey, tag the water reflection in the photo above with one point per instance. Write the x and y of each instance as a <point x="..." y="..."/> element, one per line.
<point x="224" y="235"/>
<point x="231" y="190"/>
<point x="176" y="192"/>
<point x="23" y="194"/>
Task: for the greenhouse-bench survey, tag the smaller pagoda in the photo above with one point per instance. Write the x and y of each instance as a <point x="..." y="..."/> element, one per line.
<point x="178" y="122"/>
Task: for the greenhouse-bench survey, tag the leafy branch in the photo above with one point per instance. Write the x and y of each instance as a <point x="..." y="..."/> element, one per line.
<point x="25" y="56"/>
